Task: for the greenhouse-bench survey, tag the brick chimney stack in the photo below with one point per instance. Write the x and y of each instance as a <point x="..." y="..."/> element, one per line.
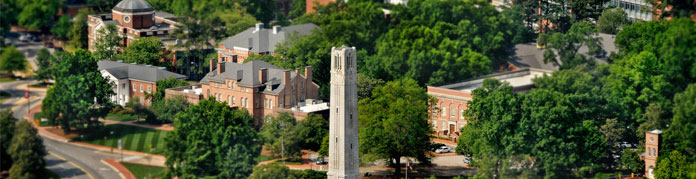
<point x="221" y="68"/>
<point x="286" y="78"/>
<point x="212" y="64"/>
<point x="263" y="75"/>
<point x="308" y="74"/>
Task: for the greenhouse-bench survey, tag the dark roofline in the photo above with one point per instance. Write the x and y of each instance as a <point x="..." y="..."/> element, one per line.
<point x="133" y="10"/>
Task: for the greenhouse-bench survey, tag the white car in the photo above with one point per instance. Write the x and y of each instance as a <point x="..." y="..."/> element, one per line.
<point x="443" y="149"/>
<point x="24" y="38"/>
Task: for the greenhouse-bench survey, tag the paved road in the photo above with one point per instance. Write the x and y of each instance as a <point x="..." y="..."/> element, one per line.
<point x="29" y="49"/>
<point x="67" y="160"/>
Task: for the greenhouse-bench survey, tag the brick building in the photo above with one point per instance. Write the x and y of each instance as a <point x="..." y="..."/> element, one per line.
<point x="259" y="87"/>
<point x="448" y="116"/>
<point x="133" y="80"/>
<point x="652" y="149"/>
<point x="133" y="19"/>
<point x="258" y="40"/>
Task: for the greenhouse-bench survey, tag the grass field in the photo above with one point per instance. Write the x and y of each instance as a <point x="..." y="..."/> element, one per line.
<point x="121" y="117"/>
<point x="262" y="158"/>
<point x="144" y="171"/>
<point x="133" y="138"/>
<point x="5" y="79"/>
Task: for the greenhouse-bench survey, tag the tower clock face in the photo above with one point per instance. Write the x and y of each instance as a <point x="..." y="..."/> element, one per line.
<point x="126" y="18"/>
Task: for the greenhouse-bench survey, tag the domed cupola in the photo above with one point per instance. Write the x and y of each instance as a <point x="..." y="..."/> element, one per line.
<point x="135" y="14"/>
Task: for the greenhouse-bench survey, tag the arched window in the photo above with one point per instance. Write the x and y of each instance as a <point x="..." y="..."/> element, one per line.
<point x="229" y="100"/>
<point x="232" y="100"/>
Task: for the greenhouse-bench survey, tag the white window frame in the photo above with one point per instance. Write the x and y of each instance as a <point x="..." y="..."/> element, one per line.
<point x="141" y="88"/>
<point x="149" y="89"/>
<point x="444" y="111"/>
<point x="135" y="87"/>
<point x="452" y="111"/>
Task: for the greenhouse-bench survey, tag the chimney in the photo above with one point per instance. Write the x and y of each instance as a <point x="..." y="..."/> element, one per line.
<point x="263" y="75"/>
<point x="308" y="74"/>
<point x="221" y="67"/>
<point x="259" y="26"/>
<point x="286" y="78"/>
<point x="297" y="71"/>
<point x="212" y="64"/>
<point x="276" y="29"/>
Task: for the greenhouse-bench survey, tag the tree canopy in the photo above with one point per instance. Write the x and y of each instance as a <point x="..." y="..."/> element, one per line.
<point x="61" y="29"/>
<point x="107" y="46"/>
<point x="612" y="20"/>
<point x="279" y="136"/>
<point x="44" y="60"/>
<point x="27" y="151"/>
<point x="393" y="123"/>
<point x="80" y="94"/>
<point x="562" y="49"/>
<point x="37" y="14"/>
<point x="7" y="128"/>
<point x="12" y="60"/>
<point x="146" y="50"/>
<point x="211" y="140"/>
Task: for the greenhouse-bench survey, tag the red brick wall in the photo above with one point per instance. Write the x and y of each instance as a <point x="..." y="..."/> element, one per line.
<point x="310" y="4"/>
<point x="448" y="100"/>
<point x="138" y="93"/>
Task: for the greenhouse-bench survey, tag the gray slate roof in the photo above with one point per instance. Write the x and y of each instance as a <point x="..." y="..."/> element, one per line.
<point x="140" y="72"/>
<point x="264" y="40"/>
<point x="247" y="74"/>
<point x="133" y="6"/>
<point x="529" y="56"/>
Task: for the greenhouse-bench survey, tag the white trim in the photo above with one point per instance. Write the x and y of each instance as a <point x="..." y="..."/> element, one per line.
<point x="137" y="13"/>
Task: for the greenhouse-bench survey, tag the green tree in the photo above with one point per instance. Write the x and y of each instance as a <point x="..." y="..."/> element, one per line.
<point x="61" y="29"/>
<point x="297" y="8"/>
<point x="279" y="135"/>
<point x="235" y="21"/>
<point x="12" y="60"/>
<point x="27" y="151"/>
<point x="44" y="60"/>
<point x="562" y="49"/>
<point x="196" y="35"/>
<point x="393" y="123"/>
<point x="7" y="128"/>
<point x="80" y="94"/>
<point x="165" y="110"/>
<point x="674" y="165"/>
<point x="612" y="20"/>
<point x="547" y="125"/>
<point x="164" y="84"/>
<point x="366" y="84"/>
<point x="324" y="150"/>
<point x="78" y="33"/>
<point x="680" y="135"/>
<point x="147" y="50"/>
<point x="106" y="47"/>
<point x="311" y="131"/>
<point x="205" y="136"/>
<point x="8" y="16"/>
<point x="630" y="160"/>
<point x="263" y="10"/>
<point x="37" y="14"/>
<point x="674" y="8"/>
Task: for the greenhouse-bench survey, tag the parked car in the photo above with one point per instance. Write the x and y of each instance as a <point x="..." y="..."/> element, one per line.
<point x="321" y="161"/>
<point x="48" y="44"/>
<point x="24" y="37"/>
<point x="443" y="149"/>
<point x="34" y="38"/>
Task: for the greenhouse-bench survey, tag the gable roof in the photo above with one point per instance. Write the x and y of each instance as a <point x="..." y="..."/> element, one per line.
<point x="265" y="40"/>
<point x="247" y="74"/>
<point x="139" y="72"/>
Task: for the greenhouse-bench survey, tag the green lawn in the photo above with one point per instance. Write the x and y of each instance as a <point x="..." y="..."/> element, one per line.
<point x="133" y="138"/>
<point x="144" y="171"/>
<point x="121" y="117"/>
<point x="4" y="79"/>
<point x="262" y="158"/>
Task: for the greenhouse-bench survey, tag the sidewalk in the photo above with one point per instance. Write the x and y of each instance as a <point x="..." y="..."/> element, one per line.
<point x="164" y="127"/>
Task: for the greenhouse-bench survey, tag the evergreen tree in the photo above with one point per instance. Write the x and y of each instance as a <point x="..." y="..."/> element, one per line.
<point x="27" y="151"/>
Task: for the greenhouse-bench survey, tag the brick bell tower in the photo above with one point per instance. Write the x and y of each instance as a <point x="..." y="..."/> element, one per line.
<point x="136" y="14"/>
<point x="343" y="117"/>
<point x="652" y="149"/>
